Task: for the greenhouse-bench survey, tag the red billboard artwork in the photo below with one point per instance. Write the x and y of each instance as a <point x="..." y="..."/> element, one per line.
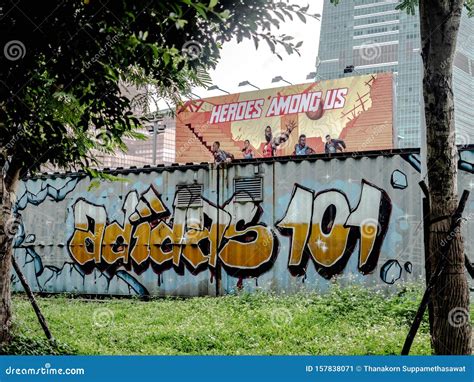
<point x="357" y="110"/>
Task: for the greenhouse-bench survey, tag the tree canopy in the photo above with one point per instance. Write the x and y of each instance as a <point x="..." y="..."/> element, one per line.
<point x="62" y="64"/>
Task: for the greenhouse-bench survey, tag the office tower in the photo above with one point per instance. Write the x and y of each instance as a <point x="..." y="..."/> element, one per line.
<point x="373" y="36"/>
<point x="140" y="152"/>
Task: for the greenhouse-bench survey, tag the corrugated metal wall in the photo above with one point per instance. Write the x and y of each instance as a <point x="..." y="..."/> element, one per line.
<point x="285" y="226"/>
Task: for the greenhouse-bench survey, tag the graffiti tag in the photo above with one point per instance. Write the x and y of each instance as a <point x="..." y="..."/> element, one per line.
<point x="321" y="226"/>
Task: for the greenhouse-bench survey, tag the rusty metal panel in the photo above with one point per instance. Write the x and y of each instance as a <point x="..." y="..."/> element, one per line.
<point x="352" y="219"/>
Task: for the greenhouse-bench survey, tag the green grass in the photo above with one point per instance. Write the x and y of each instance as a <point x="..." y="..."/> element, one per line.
<point x="350" y="321"/>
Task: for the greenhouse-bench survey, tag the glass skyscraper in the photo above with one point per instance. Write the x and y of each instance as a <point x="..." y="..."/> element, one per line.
<point x="374" y="37"/>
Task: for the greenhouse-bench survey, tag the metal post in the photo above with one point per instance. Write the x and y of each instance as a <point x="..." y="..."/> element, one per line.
<point x="426" y="299"/>
<point x="154" y="142"/>
<point x="33" y="302"/>
<point x="218" y="265"/>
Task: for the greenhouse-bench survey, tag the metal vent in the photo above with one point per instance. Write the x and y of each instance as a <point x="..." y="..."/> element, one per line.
<point x="248" y="189"/>
<point x="189" y="195"/>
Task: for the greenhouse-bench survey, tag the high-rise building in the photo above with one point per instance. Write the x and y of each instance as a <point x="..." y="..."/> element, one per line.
<point x="373" y="36"/>
<point x="140" y="152"/>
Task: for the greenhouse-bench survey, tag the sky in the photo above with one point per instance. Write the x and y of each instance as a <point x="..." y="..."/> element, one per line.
<point x="240" y="62"/>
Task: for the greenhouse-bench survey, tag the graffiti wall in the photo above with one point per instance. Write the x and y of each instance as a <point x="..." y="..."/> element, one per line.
<point x="283" y="226"/>
<point x="357" y="110"/>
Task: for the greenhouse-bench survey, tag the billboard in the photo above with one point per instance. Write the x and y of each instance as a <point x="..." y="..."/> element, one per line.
<point x="357" y="110"/>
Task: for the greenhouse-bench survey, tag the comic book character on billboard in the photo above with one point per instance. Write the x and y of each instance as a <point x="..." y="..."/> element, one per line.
<point x="220" y="156"/>
<point x="273" y="142"/>
<point x="334" y="145"/>
<point x="301" y="148"/>
<point x="247" y="150"/>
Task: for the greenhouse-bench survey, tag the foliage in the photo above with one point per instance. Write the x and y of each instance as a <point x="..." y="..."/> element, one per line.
<point x="63" y="64"/>
<point x="343" y="321"/>
<point x="26" y="345"/>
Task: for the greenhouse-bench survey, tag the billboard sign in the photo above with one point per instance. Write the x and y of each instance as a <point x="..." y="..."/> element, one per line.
<point x="357" y="110"/>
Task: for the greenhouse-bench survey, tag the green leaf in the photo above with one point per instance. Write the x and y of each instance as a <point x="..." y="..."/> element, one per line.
<point x="181" y="23"/>
<point x="201" y="10"/>
<point x="279" y="15"/>
<point x="408" y="5"/>
<point x="71" y="93"/>
<point x="271" y="45"/>
<point x="255" y="41"/>
<point x="301" y="17"/>
<point x="469" y="4"/>
<point x="166" y="58"/>
<point x="225" y="14"/>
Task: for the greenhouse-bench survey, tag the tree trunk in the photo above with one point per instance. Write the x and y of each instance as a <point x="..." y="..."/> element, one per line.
<point x="8" y="227"/>
<point x="451" y="332"/>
